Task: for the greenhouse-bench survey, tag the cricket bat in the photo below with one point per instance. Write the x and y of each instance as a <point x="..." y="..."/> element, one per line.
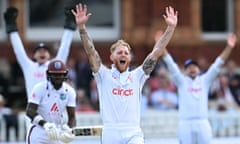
<point x="88" y="130"/>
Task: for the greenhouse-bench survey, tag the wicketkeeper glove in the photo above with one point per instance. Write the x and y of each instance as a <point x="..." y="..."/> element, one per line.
<point x="51" y="130"/>
<point x="70" y="22"/>
<point x="10" y="16"/>
<point x="66" y="134"/>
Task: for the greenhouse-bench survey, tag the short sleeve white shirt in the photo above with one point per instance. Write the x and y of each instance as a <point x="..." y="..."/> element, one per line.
<point x="120" y="94"/>
<point x="52" y="103"/>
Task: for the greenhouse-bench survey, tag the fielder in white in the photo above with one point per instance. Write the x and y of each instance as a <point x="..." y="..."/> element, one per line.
<point x="193" y="88"/>
<point x="46" y="105"/>
<point x="119" y="89"/>
<point x="34" y="71"/>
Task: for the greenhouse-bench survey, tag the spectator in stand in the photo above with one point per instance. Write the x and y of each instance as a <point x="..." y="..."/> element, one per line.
<point x="84" y="73"/>
<point x="234" y="85"/>
<point x="203" y="64"/>
<point x="5" y="71"/>
<point x="220" y="89"/>
<point x="164" y="98"/>
<point x="231" y="68"/>
<point x="72" y="73"/>
<point x="11" y="118"/>
<point x="224" y="102"/>
<point x="94" y="97"/>
<point x="83" y="104"/>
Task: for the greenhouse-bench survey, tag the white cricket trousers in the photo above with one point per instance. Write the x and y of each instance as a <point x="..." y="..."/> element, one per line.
<point x="122" y="135"/>
<point x="28" y="124"/>
<point x="194" y="131"/>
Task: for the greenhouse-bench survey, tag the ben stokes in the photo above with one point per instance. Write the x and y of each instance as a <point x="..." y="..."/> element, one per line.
<point x="119" y="89"/>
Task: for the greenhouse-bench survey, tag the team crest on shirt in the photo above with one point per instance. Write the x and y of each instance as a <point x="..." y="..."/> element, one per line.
<point x="63" y="96"/>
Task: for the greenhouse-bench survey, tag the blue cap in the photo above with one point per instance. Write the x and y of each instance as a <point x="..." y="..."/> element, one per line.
<point x="190" y="62"/>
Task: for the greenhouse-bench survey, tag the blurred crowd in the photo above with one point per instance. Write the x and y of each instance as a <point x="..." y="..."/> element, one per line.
<point x="224" y="94"/>
<point x="159" y="92"/>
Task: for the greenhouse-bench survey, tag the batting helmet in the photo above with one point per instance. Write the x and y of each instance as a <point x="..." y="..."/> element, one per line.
<point x="57" y="73"/>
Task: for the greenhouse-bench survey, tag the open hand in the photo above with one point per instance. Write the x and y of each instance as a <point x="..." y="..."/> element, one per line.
<point x="80" y="14"/>
<point x="231" y="40"/>
<point x="171" y="16"/>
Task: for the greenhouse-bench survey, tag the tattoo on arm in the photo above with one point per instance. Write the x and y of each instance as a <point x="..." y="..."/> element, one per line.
<point x="90" y="50"/>
<point x="148" y="65"/>
<point x="161" y="44"/>
<point x="151" y="60"/>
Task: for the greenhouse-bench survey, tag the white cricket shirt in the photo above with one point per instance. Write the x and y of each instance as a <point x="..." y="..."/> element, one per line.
<point x="32" y="71"/>
<point x="120" y="95"/>
<point x="193" y="93"/>
<point x="52" y="103"/>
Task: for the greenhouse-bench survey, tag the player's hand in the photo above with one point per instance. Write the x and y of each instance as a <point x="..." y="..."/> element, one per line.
<point x="231" y="40"/>
<point x="10" y="16"/>
<point x="69" y="22"/>
<point x="51" y="130"/>
<point x="66" y="128"/>
<point x="66" y="134"/>
<point x="80" y="14"/>
<point x="66" y="137"/>
<point x="171" y="16"/>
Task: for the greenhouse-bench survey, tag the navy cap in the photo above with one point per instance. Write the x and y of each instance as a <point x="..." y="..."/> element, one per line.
<point x="41" y="46"/>
<point x="189" y="62"/>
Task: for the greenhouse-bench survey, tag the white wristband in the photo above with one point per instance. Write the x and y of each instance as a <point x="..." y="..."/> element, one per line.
<point x="37" y="119"/>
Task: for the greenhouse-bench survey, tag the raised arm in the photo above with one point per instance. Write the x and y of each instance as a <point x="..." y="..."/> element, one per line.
<point x="69" y="27"/>
<point x="81" y="18"/>
<point x="151" y="60"/>
<point x="10" y="19"/>
<point x="231" y="42"/>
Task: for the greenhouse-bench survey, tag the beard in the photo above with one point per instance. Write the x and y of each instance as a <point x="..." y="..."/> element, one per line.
<point x="121" y="67"/>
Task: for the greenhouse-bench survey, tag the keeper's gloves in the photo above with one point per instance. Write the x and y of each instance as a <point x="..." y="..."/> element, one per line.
<point x="10" y="16"/>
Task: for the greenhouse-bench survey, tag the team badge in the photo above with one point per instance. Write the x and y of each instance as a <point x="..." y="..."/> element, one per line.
<point x="63" y="96"/>
<point x="57" y="65"/>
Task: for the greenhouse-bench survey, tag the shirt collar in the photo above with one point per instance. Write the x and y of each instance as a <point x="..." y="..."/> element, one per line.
<point x="124" y="77"/>
<point x="50" y="87"/>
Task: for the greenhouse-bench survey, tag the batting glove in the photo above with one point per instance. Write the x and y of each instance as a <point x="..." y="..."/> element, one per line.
<point x="51" y="130"/>
<point x="66" y="134"/>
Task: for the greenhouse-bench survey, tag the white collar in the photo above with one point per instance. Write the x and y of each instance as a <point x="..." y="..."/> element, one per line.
<point x="124" y="77"/>
<point x="50" y="87"/>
